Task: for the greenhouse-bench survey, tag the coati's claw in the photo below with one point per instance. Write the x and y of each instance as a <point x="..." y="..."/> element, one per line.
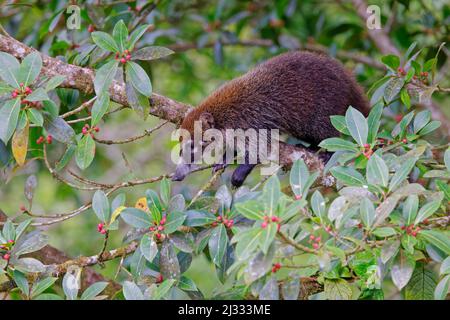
<point x="218" y="167"/>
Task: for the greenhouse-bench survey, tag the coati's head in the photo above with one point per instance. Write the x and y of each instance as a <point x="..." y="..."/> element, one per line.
<point x="191" y="142"/>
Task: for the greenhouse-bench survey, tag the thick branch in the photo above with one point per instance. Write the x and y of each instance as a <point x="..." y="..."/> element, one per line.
<point x="82" y="79"/>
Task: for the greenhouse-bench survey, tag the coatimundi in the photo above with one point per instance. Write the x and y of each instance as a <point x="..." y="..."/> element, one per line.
<point x="294" y="92"/>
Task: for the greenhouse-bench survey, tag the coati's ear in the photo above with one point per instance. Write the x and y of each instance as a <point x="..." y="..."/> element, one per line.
<point x="207" y="120"/>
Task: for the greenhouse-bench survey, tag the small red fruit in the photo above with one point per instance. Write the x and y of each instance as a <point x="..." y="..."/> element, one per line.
<point x="103" y="231"/>
<point x="84" y="130"/>
<point x="298" y="197"/>
<point x="159" y="279"/>
<point x="405" y="141"/>
<point x="158" y="235"/>
<point x="315" y="245"/>
<point x="264" y="225"/>
<point x="91" y="28"/>
<point x="123" y="60"/>
<point x="318" y="239"/>
<point x="128" y="57"/>
<point x="160" y="228"/>
<point x="21" y="84"/>
<point x="49" y="139"/>
<point x="6" y="256"/>
<point x="10" y="241"/>
<point x="219" y="218"/>
<point x="414" y="233"/>
<point x="274" y="219"/>
<point x="214" y="224"/>
<point x="311" y="237"/>
<point x="403" y="227"/>
<point x="14" y="94"/>
<point x="96" y="129"/>
<point x="22" y="208"/>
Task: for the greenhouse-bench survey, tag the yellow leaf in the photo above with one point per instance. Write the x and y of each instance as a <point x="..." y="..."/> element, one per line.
<point x="141" y="204"/>
<point x="20" y="145"/>
<point x="116" y="213"/>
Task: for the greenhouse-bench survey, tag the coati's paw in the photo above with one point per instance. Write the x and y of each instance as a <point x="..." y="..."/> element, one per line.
<point x="217" y="167"/>
<point x="240" y="174"/>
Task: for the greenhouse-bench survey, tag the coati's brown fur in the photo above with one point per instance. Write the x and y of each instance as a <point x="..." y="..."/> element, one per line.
<point x="295" y="92"/>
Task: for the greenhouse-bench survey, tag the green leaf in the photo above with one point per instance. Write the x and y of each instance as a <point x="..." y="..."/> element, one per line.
<point x="339" y="123"/>
<point x="9" y="232"/>
<point x="318" y="205"/>
<point x="392" y="61"/>
<point x="437" y="238"/>
<point x="447" y="159"/>
<point x="402" y="173"/>
<point x="54" y="82"/>
<point x="93" y="290"/>
<point x="337" y="289"/>
<point x="187" y="284"/>
<point x="30" y="68"/>
<point x="42" y="285"/>
<point x="384" y="232"/>
<point x="267" y="236"/>
<point x="21" y="282"/>
<point x="48" y="296"/>
<point x="100" y="205"/>
<point x="402" y="270"/>
<point x="136" y="218"/>
<point x="154" y="204"/>
<point x="174" y="220"/>
<point x="85" y="152"/>
<point x="348" y="176"/>
<point x="59" y="129"/>
<point x="251" y="209"/>
<point x="165" y="191"/>
<point x="430" y="127"/>
<point x="298" y="177"/>
<point x="131" y="291"/>
<point x="410" y="207"/>
<point x="151" y="53"/>
<point x="38" y="94"/>
<point x="9" y="68"/>
<point x="99" y="109"/>
<point x="271" y="195"/>
<point x="373" y="122"/>
<point x="148" y="247"/>
<point x="442" y="288"/>
<point x="35" y="117"/>
<point x="393" y="87"/>
<point x="67" y="156"/>
<point x="338" y="144"/>
<point x="422" y="284"/>
<point x="404" y="96"/>
<point x="199" y="218"/>
<point x="163" y="289"/>
<point x="104" y="41"/>
<point x="136" y="35"/>
<point x="104" y="77"/>
<point x="138" y="78"/>
<point x="377" y="171"/>
<point x="71" y="284"/>
<point x="120" y="35"/>
<point x="217" y="244"/>
<point x="357" y="125"/>
<point x="427" y="210"/>
<point x="367" y="211"/>
<point x="9" y="115"/>
<point x="138" y="102"/>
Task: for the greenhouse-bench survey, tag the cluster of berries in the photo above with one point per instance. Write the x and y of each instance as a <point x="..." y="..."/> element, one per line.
<point x="86" y="129"/>
<point x="328" y="229"/>
<point x="423" y="76"/>
<point x="367" y="151"/>
<point x="276" y="267"/>
<point x="316" y="241"/>
<point x="124" y="56"/>
<point x="7" y="247"/>
<point x="268" y="220"/>
<point x="101" y="228"/>
<point x="47" y="140"/>
<point x="227" y="222"/>
<point x="411" y="230"/>
<point x="23" y="92"/>
<point x="158" y="227"/>
<point x="159" y="278"/>
<point x="90" y="28"/>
